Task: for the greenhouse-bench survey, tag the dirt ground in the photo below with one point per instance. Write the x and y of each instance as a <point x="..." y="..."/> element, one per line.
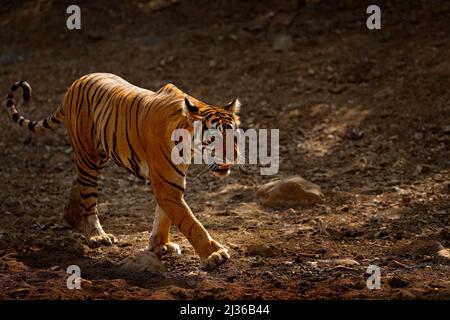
<point x="363" y="114"/>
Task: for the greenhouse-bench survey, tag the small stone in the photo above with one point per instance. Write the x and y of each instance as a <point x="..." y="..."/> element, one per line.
<point x="234" y="246"/>
<point x="382" y="234"/>
<point x="260" y="250"/>
<point x="419" y="247"/>
<point x="212" y="63"/>
<point x="383" y="93"/>
<point x="291" y="211"/>
<point x="125" y="244"/>
<point x="54" y="268"/>
<point x="442" y="257"/>
<point x="422" y="168"/>
<point x="313" y="264"/>
<point x="144" y="260"/>
<point x="354" y="134"/>
<point x="349" y="232"/>
<point x="289" y="192"/>
<point x="397" y="282"/>
<point x="191" y="282"/>
<point x="283" y="43"/>
<point x="257" y="263"/>
<point x="418" y="136"/>
<point x="20" y="291"/>
<point x="344" y="262"/>
<point x="400" y="190"/>
<point x="399" y="163"/>
<point x="268" y="274"/>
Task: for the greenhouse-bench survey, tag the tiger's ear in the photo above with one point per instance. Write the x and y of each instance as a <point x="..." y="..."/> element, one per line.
<point x="191" y="111"/>
<point x="234" y="106"/>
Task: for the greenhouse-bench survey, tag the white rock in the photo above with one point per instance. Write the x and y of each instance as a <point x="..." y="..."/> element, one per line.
<point x="290" y="192"/>
<point x="341" y="262"/>
<point x="442" y="257"/>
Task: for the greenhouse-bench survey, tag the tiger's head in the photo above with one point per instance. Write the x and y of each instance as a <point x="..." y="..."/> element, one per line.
<point x="217" y="123"/>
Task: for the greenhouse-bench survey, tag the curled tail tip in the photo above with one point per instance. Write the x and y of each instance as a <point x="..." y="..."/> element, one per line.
<point x="35" y="126"/>
<point x="25" y="87"/>
<point x="26" y="90"/>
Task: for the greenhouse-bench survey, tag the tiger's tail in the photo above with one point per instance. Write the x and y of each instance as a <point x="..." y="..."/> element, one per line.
<point x="37" y="126"/>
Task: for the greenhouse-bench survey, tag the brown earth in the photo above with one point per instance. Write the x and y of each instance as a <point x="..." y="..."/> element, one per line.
<point x="363" y="114"/>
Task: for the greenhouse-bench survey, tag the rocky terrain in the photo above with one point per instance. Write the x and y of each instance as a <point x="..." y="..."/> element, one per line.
<point x="364" y="115"/>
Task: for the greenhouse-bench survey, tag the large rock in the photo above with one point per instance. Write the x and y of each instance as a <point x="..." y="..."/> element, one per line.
<point x="289" y="192"/>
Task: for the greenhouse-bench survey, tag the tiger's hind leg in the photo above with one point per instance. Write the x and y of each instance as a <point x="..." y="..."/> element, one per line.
<point x="160" y="238"/>
<point x="83" y="202"/>
<point x="72" y="213"/>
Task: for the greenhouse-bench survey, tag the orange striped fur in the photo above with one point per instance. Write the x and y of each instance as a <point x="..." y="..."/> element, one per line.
<point x="109" y="118"/>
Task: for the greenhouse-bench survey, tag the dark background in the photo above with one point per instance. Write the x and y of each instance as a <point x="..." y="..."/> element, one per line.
<point x="364" y="114"/>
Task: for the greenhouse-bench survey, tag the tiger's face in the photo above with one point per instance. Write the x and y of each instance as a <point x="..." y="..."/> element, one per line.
<point x="220" y="135"/>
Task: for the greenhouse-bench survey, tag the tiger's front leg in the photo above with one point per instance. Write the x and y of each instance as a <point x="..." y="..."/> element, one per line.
<point x="160" y="238"/>
<point x="212" y="254"/>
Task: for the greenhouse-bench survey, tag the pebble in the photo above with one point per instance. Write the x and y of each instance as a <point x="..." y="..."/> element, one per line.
<point x="54" y="268"/>
<point x="442" y="257"/>
<point x="283" y="43"/>
<point x="143" y="260"/>
<point x="341" y="262"/>
<point x="354" y="134"/>
<point x="397" y="282"/>
<point x="423" y="168"/>
<point x="260" y="250"/>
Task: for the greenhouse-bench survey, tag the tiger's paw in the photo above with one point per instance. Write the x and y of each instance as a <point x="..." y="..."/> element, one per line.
<point x="101" y="239"/>
<point x="217" y="258"/>
<point x="167" y="248"/>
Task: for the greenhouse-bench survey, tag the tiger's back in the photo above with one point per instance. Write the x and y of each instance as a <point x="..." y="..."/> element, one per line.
<point x="100" y="110"/>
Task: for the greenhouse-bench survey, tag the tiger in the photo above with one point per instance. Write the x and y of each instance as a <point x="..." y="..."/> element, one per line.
<point x="108" y="118"/>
